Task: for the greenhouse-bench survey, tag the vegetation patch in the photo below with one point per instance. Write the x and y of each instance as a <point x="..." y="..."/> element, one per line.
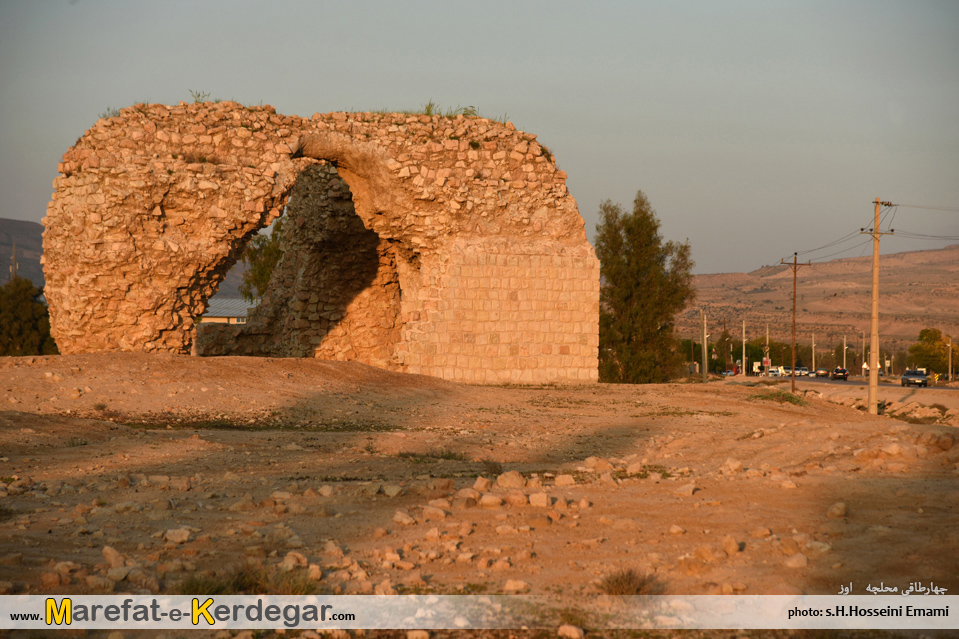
<point x="432" y="456"/>
<point x="630" y="582"/>
<point x="249" y="580"/>
<point x="333" y="426"/>
<point x="779" y="395"/>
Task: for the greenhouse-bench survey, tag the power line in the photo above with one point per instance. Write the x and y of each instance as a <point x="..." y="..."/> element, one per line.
<point x="921" y="236"/>
<point x="930" y="208"/>
<point x="844" y="238"/>
<point x="845" y="250"/>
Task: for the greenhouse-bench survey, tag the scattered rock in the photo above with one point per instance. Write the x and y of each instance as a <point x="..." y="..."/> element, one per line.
<point x="292" y="561"/>
<point x="245" y="503"/>
<point x="467" y="493"/>
<point x="431" y="513"/>
<point x="797" y="560"/>
<point x="733" y="466"/>
<point x="114" y="558"/>
<point x="568" y="631"/>
<point x="100" y="584"/>
<point x="710" y="554"/>
<point x="177" y="535"/>
<point x="540" y="500"/>
<point x="730" y="545"/>
<point x="565" y="480"/>
<point x="515" y="585"/>
<point x="511" y="479"/>
<point x="118" y="574"/>
<point x="402" y="518"/>
<point x="597" y="463"/>
<point x="490" y="501"/>
<point x="686" y="489"/>
<point x="837" y="510"/>
<point x="482" y="484"/>
<point x="816" y="548"/>
<point x="516" y="498"/>
<point x="392" y="490"/>
<point x="676" y="530"/>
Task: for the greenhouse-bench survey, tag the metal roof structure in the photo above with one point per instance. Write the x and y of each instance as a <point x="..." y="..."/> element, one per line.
<point x="228" y="307"/>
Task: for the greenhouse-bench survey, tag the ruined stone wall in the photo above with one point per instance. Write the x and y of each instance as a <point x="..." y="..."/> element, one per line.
<point x="443" y="246"/>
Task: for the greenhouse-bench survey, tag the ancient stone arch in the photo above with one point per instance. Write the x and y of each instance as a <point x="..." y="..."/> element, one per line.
<point x="443" y="246"/>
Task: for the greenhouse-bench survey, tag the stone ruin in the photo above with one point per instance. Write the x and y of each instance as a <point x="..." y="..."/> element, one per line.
<point x="442" y="246"/>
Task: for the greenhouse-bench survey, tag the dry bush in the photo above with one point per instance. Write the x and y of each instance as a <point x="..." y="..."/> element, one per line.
<point x="630" y="582"/>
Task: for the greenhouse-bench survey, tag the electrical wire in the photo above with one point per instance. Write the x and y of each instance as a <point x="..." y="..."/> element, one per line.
<point x="922" y="236"/>
<point x="845" y="250"/>
<point x="844" y="238"/>
<point x="930" y="208"/>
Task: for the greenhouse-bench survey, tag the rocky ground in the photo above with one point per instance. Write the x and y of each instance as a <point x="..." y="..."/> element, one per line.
<point x="163" y="474"/>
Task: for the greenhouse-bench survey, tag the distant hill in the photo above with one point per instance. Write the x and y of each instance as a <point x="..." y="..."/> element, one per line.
<point x="918" y="289"/>
<point x="29" y="239"/>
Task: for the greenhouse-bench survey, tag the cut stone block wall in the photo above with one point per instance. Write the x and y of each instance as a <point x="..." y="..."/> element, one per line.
<point x="443" y="246"/>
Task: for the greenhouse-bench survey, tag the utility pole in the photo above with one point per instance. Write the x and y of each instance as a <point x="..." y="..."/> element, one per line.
<point x="874" y="319"/>
<point x="705" y="374"/>
<point x="766" y="351"/>
<point x="13" y="263"/>
<point x="795" y="266"/>
<point x="844" y="347"/>
<point x="949" y="379"/>
<point x="725" y="337"/>
<point x="813" y="352"/>
<point x="744" y="350"/>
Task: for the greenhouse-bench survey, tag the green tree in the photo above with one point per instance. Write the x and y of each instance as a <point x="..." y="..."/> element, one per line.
<point x="645" y="283"/>
<point x="931" y="351"/>
<point x="261" y="257"/>
<point x="24" y="320"/>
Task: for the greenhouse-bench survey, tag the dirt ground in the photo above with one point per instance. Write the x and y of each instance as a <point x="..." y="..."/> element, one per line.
<point x="153" y="474"/>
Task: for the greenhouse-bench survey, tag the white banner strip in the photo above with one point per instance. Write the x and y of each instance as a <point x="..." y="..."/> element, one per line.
<point x="432" y="612"/>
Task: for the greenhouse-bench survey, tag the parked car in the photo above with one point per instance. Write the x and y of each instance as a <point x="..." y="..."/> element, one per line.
<point x="839" y="373"/>
<point x="821" y="372"/>
<point x="802" y="371"/>
<point x="914" y="378"/>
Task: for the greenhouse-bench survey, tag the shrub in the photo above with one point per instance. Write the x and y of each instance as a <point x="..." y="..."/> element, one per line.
<point x="630" y="582"/>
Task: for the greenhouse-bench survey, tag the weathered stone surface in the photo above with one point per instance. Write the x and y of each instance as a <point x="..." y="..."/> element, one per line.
<point x="837" y="510"/>
<point x="442" y="246"/>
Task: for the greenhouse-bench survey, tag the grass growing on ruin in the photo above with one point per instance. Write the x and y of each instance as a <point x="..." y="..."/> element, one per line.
<point x="778" y="395"/>
<point x="432" y="108"/>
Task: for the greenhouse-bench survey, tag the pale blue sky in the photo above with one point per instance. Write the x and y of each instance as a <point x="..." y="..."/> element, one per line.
<point x="755" y="128"/>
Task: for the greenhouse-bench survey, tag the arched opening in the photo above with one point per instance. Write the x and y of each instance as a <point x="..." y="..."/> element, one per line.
<point x="335" y="293"/>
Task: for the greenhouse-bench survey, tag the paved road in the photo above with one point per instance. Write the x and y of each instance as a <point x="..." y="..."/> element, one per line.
<point x="859" y="381"/>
